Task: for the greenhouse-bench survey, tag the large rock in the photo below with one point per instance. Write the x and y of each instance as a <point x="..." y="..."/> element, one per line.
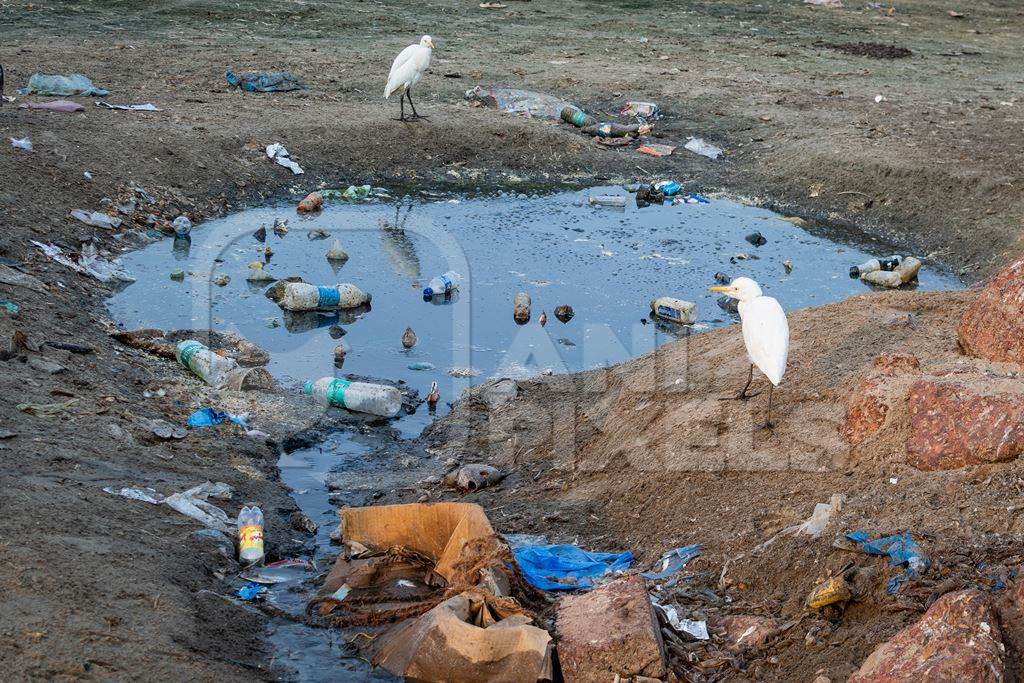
<point x="607" y="631"/>
<point x="743" y="631"/>
<point x="871" y="402"/>
<point x="958" y="639"/>
<point x="955" y="425"/>
<point x="993" y="325"/>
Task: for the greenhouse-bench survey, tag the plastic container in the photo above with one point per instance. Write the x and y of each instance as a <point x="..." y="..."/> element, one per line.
<point x="442" y="284"/>
<point x="250" y="534"/>
<point x="360" y="397"/>
<point x="577" y="117"/>
<point x="607" y="200"/>
<point x="302" y="296"/>
<point x="875" y="264"/>
<point x="521" y="308"/>
<point x="905" y="272"/>
<point x="667" y="187"/>
<point x="204" y="363"/>
<point x="674" y="310"/>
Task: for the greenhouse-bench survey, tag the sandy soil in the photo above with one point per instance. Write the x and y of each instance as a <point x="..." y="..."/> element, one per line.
<point x="97" y="588"/>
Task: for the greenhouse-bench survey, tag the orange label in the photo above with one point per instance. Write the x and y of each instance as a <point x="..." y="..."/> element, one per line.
<point x="250" y="538"/>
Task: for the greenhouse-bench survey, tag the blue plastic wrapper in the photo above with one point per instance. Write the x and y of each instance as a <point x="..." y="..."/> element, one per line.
<point x="900" y="549"/>
<point x="567" y="567"/>
<point x="264" y="81"/>
<point x="250" y="591"/>
<point x="208" y="417"/>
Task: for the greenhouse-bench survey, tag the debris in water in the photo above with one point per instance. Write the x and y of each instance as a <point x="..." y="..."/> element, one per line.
<point x="463" y="372"/>
<point x="313" y="201"/>
<point x="433" y="397"/>
<point x="756" y="238"/>
<point x="564" y="313"/>
<point x="521" y="308"/>
<point x="408" y="338"/>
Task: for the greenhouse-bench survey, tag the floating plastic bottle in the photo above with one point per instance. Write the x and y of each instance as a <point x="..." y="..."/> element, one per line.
<point x="250" y="534"/>
<point x="607" y="200"/>
<point x="674" y="310"/>
<point x="442" y="284"/>
<point x="301" y="296"/>
<point x="360" y="397"/>
<point x="874" y="264"/>
<point x="204" y="363"/>
<point x="521" y="308"/>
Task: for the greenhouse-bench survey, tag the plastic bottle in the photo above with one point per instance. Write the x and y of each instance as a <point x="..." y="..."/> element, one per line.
<point x="607" y="200"/>
<point x="667" y="187"/>
<point x="905" y="272"/>
<point x="674" y="310"/>
<point x="874" y="264"/>
<point x="250" y="534"/>
<point x="442" y="284"/>
<point x="361" y="397"/>
<point x="576" y="117"/>
<point x="521" y="308"/>
<point x="207" y="365"/>
<point x="302" y="296"/>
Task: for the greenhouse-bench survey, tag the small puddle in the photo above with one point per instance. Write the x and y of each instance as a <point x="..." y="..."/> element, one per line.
<point x="607" y="263"/>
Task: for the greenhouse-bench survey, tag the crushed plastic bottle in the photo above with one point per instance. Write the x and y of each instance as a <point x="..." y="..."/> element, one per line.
<point x="612" y="200"/>
<point x="674" y="310"/>
<point x="360" y="397"/>
<point x="888" y="263"/>
<point x="250" y="534"/>
<point x="445" y="283"/>
<point x="302" y="296"/>
<point x="208" y="366"/>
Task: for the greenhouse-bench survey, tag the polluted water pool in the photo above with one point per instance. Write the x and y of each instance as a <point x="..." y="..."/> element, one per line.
<point x="607" y="263"/>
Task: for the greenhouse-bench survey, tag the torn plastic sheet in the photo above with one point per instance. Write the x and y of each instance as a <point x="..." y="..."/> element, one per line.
<point x="280" y="155"/>
<point x="698" y="146"/>
<point x="568" y="567"/>
<point x="208" y="417"/>
<point x="128" y="107"/>
<point x="694" y="628"/>
<point x="900" y="549"/>
<point x="672" y="561"/>
<point x="88" y="263"/>
<point x="146" y="495"/>
<point x="192" y="502"/>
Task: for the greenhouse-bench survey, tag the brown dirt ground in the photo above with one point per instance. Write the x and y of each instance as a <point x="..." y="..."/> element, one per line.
<point x="98" y="589"/>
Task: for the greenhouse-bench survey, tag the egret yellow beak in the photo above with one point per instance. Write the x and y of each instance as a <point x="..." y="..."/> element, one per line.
<point x="431" y="44"/>
<point x="721" y="290"/>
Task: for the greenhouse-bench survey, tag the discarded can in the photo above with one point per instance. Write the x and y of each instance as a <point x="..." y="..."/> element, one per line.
<point x="875" y="264"/>
<point x="301" y="296"/>
<point x="564" y="313"/>
<point x="612" y="200"/>
<point x="250" y="534"/>
<point x="674" y="310"/>
<point x="360" y="397"/>
<point x="445" y="283"/>
<point x="313" y="201"/>
<point x="833" y="591"/>
<point x="576" y="117"/>
<point x="667" y="187"/>
<point x="521" y="308"/>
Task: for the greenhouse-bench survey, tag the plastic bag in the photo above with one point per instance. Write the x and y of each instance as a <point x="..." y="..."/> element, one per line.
<point x="75" y="84"/>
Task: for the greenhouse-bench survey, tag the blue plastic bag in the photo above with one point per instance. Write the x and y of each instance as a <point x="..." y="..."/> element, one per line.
<point x="567" y="567"/>
<point x="264" y="81"/>
<point x="901" y="549"/>
<point x="208" y="417"/>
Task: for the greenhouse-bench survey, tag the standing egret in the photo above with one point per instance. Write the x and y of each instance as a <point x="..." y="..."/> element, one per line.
<point x="765" y="334"/>
<point x="406" y="71"/>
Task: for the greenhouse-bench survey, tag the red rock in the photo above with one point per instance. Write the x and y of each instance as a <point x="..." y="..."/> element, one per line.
<point x="743" y="631"/>
<point x="607" y="631"/>
<point x="993" y="325"/>
<point x="953" y="425"/>
<point x="958" y="639"/>
<point x="871" y="401"/>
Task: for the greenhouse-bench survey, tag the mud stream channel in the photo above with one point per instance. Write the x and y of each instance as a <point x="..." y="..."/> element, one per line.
<point x="607" y="263"/>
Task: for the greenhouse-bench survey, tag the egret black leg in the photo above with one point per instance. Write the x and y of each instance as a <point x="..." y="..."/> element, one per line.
<point x="743" y="395"/>
<point x="401" y="109"/>
<point x="768" y="424"/>
<point x="415" y="114"/>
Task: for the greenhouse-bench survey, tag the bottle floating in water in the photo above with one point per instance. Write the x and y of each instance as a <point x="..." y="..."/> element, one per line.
<point x="360" y="397"/>
<point x="607" y="200"/>
<point x="674" y="310"/>
<point x="207" y="365"/>
<point x="874" y="264"/>
<point x="442" y="284"/>
<point x="302" y="296"/>
<point x="250" y="534"/>
<point x="521" y="308"/>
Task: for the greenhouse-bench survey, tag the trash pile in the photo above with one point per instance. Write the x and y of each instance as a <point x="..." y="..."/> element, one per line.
<point x="891" y="272"/>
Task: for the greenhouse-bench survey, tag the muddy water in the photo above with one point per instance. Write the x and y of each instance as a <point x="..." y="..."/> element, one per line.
<point x="606" y="263"/>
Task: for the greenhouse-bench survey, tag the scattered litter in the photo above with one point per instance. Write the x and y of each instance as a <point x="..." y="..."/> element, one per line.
<point x="443" y="284"/>
<point x="408" y="338"/>
<point x="21" y="143"/>
<point x="463" y="372"/>
<point x="474" y="477"/>
<point x="788" y="265"/>
<point x="75" y="84"/>
<point x="757" y="239"/>
<point x="282" y="571"/>
<point x="302" y="296"/>
<point x="888" y="263"/>
<point x="47" y="409"/>
<point x="814" y="525"/>
<point x="56" y="105"/>
<point x="208" y="417"/>
<point x="576" y="116"/>
<point x="210" y="367"/>
<point x="251" y="591"/>
<point x="178" y="275"/>
<point x="691" y="198"/>
<point x="421" y="366"/>
<point x="162" y="428"/>
<point x="96" y="219"/>
<point x="696" y="629"/>
<point x="880" y="98"/>
<point x="656" y="150"/>
<point x="831" y="592"/>
<point x="564" y="313"/>
<point x="615" y="201"/>
<point x="433" y="397"/>
<point x="698" y="146"/>
<point x="182" y="226"/>
<point x="901" y="549"/>
<point x="146" y="495"/>
<point x="88" y="263"/>
<point x="221" y="279"/>
<point x="568" y="567"/>
<point x="521" y="308"/>
<point x="349" y="194"/>
<point x="250" y="534"/>
<point x="672" y="561"/>
<point x="313" y="201"/>
<point x="514" y="101"/>
<point x="193" y="503"/>
<point x="674" y="310"/>
<point x="610" y="129"/>
<point x="128" y="107"/>
<point x="667" y="187"/>
<point x="10" y="307"/>
<point x="279" y="154"/>
<point x="642" y="110"/>
<point x="906" y="271"/>
<point x="824" y="3"/>
<point x="360" y="397"/>
<point x="263" y="81"/>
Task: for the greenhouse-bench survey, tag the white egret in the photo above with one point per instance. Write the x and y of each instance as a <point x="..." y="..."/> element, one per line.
<point x="406" y="71"/>
<point x="765" y="334"/>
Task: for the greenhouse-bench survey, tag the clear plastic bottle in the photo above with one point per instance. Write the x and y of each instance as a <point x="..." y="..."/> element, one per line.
<point x="442" y="284"/>
<point x="250" y="534"/>
<point x="207" y="365"/>
<point x="612" y="200"/>
<point x="361" y="397"/>
<point x="875" y="264"/>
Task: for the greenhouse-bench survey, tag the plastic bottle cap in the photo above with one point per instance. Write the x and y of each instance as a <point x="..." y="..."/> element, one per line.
<point x="308" y="389"/>
<point x="427" y="292"/>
